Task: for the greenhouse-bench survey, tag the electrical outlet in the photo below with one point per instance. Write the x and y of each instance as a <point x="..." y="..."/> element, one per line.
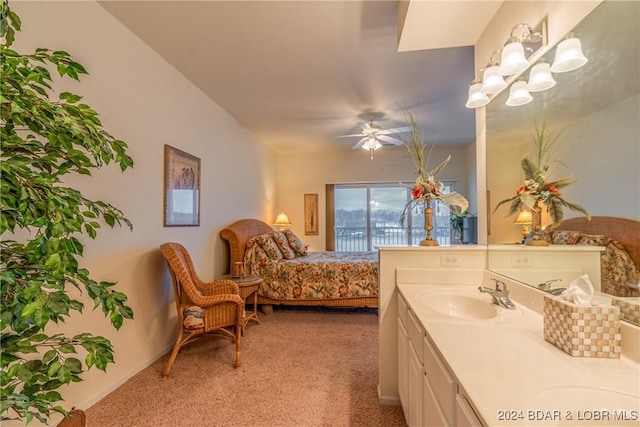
<point x="520" y="261"/>
<point x="449" y="260"/>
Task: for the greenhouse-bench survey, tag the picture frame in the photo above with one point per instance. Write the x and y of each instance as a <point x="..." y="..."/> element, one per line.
<point x="181" y="188"/>
<point x="311" y="214"/>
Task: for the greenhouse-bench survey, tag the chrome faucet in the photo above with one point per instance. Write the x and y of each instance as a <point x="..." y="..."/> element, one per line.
<point x="500" y="294"/>
<point x="546" y="286"/>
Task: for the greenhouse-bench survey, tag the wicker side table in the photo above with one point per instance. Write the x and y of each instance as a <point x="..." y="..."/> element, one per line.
<point x="249" y="287"/>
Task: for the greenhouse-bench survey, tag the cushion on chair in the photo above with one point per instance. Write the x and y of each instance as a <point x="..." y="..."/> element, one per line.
<point x="283" y="245"/>
<point x="270" y="247"/>
<point x="193" y="317"/>
<point x="295" y="243"/>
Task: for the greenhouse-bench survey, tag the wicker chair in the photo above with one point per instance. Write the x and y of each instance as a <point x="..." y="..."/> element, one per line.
<point x="218" y="302"/>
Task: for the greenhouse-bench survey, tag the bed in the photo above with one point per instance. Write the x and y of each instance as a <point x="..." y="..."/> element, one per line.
<point x="620" y="261"/>
<point x="326" y="278"/>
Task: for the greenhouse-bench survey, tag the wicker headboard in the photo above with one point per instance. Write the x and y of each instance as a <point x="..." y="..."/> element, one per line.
<point x="239" y="233"/>
<point x="625" y="231"/>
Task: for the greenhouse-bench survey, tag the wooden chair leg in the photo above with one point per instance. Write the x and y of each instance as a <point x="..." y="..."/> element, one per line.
<point x="239" y="333"/>
<point x="174" y="354"/>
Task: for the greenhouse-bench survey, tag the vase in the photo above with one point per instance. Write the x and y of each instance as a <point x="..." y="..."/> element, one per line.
<point x="428" y="225"/>
<point x="536" y="222"/>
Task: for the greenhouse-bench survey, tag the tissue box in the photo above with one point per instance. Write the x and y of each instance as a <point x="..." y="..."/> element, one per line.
<point x="629" y="308"/>
<point x="582" y="331"/>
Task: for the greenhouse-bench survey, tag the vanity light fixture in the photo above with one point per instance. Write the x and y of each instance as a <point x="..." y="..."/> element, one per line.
<point x="282" y="220"/>
<point x="477" y="98"/>
<point x="569" y="55"/>
<point x="514" y="60"/>
<point x="492" y="81"/>
<point x="518" y="94"/>
<point x="540" y="77"/>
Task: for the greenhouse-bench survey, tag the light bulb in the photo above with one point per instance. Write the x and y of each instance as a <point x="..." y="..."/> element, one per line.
<point x="476" y="97"/>
<point x="568" y="56"/>
<point x="540" y="78"/>
<point x="513" y="59"/>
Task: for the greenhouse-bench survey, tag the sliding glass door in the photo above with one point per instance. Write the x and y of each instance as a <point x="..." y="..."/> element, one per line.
<point x="368" y="215"/>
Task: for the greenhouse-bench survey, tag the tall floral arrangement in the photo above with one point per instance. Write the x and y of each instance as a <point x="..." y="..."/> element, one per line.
<point x="426" y="188"/>
<point x="537" y="188"/>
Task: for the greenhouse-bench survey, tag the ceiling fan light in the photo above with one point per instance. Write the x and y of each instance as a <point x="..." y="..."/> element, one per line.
<point x="569" y="56"/>
<point x="477" y="98"/>
<point x="371" y="144"/>
<point x="540" y="78"/>
<point x="513" y="59"/>
<point x="518" y="94"/>
<point x="492" y="82"/>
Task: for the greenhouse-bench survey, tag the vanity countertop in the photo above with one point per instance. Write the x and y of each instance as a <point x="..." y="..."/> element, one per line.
<point x="514" y="377"/>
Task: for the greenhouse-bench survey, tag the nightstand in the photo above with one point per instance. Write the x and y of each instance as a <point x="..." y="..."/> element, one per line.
<point x="249" y="287"/>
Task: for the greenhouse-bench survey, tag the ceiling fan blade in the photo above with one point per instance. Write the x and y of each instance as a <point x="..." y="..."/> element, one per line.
<point x="349" y="136"/>
<point x="389" y="140"/>
<point x="359" y="144"/>
<point x="395" y="130"/>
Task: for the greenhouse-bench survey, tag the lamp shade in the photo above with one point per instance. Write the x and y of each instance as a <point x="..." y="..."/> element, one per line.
<point x="524" y="217"/>
<point x="282" y="220"/>
<point x="568" y="56"/>
<point x="492" y="82"/>
<point x="518" y="94"/>
<point x="513" y="59"/>
<point x="540" y="78"/>
<point x="477" y="98"/>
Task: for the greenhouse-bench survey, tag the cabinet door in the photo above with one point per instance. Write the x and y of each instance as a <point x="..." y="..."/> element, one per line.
<point x="431" y="414"/>
<point x="403" y="365"/>
<point x="441" y="381"/>
<point x="415" y="374"/>
<point x="465" y="415"/>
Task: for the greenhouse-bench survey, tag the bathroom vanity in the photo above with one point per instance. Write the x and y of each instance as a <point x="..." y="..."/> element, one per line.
<point x="451" y="357"/>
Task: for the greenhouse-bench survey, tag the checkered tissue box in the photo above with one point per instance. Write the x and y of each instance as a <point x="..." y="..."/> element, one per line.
<point x="582" y="331"/>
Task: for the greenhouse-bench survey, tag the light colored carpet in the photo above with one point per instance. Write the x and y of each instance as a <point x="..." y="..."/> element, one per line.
<point x="299" y="368"/>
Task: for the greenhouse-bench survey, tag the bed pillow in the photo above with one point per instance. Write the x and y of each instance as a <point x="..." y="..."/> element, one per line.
<point x="295" y="243"/>
<point x="269" y="246"/>
<point x="567" y="237"/>
<point x="283" y="245"/>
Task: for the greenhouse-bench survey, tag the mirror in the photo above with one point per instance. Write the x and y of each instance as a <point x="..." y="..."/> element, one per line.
<point x="596" y="111"/>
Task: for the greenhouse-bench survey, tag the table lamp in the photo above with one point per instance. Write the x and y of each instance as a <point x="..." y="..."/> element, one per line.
<point x="282" y="220"/>
<point x="524" y="218"/>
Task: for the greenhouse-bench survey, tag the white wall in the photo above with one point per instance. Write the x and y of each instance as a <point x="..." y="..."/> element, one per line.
<point x="301" y="173"/>
<point x="144" y="101"/>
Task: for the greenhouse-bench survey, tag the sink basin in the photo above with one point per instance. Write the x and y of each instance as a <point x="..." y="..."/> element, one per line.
<point x="613" y="408"/>
<point x="462" y="304"/>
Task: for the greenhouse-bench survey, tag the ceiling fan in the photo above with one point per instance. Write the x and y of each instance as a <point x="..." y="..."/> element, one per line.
<point x="373" y="136"/>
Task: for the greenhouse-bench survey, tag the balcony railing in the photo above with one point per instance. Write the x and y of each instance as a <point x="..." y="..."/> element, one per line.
<point x="354" y="239"/>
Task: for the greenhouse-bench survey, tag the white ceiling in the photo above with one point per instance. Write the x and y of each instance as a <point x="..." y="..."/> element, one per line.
<point x="300" y="73"/>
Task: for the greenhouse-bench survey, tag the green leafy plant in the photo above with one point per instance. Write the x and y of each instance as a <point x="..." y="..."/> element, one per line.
<point x="41" y="222"/>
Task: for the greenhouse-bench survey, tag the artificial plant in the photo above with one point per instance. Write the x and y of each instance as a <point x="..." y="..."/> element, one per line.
<point x="43" y="224"/>
<point x="537" y="187"/>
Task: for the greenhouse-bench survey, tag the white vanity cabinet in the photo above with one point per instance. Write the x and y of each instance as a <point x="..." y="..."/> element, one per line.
<point x="428" y="390"/>
<point x="410" y="364"/>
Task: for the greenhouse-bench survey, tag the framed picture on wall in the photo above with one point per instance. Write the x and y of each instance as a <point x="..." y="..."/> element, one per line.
<point x="311" y="214"/>
<point x="181" y="188"/>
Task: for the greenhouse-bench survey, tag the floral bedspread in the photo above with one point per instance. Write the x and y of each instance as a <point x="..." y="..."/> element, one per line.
<point x="319" y="275"/>
<point x="616" y="265"/>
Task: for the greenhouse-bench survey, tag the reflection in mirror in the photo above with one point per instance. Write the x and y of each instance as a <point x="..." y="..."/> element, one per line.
<point x="595" y="110"/>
